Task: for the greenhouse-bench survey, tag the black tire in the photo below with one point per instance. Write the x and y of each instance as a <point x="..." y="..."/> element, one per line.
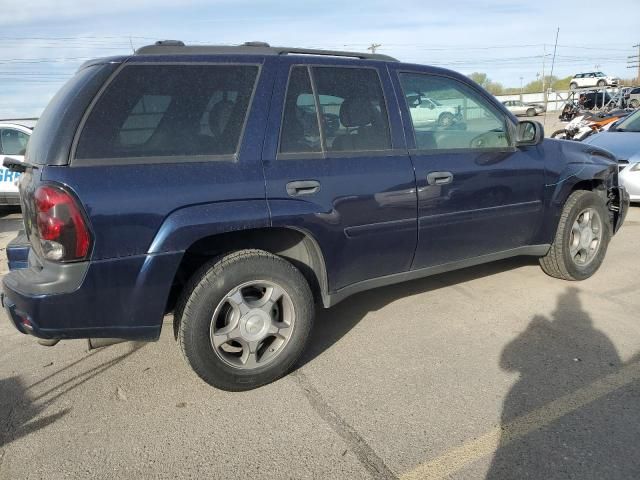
<point x="531" y="112"/>
<point x="209" y="286"/>
<point x="562" y="133"/>
<point x="558" y="262"/>
<point x="445" y="119"/>
<point x="573" y="86"/>
<point x="634" y="103"/>
<point x="602" y="83"/>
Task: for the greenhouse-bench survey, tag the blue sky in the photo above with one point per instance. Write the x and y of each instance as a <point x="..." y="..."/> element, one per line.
<point x="42" y="42"/>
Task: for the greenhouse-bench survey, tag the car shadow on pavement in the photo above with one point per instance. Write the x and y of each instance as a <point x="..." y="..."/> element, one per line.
<point x="334" y="323"/>
<point x="562" y="418"/>
<point x="20" y="404"/>
<point x="17" y="412"/>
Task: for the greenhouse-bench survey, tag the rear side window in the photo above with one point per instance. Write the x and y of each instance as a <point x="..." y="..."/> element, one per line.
<point x="352" y="108"/>
<point x="169" y="111"/>
<point x="300" y="132"/>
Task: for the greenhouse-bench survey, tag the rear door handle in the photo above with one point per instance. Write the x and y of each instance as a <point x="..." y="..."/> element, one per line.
<point x="439" y="178"/>
<point x="303" y="187"/>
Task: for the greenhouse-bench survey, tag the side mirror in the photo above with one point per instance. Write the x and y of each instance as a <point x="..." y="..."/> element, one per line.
<point x="529" y="133"/>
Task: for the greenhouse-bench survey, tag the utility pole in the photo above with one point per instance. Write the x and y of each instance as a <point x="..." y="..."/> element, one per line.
<point x="553" y="62"/>
<point x="521" y="88"/>
<point x="373" y="47"/>
<point x="544" y="90"/>
<point x="634" y="62"/>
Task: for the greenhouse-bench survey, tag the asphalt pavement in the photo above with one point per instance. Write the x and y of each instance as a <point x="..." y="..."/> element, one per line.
<point x="495" y="372"/>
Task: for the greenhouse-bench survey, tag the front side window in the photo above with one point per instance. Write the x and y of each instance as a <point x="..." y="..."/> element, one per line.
<point x="461" y="118"/>
<point x="13" y="142"/>
<point x="169" y="110"/>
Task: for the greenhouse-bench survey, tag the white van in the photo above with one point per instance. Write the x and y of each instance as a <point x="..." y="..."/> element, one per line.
<point x="13" y="142"/>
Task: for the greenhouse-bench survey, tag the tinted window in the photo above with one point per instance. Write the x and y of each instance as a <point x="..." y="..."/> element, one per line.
<point x="461" y="118"/>
<point x="353" y="109"/>
<point x="169" y="110"/>
<point x="300" y="132"/>
<point x="13" y="142"/>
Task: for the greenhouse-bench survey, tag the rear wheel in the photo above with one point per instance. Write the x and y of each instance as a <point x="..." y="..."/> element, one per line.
<point x="635" y="103"/>
<point x="581" y="240"/>
<point x="573" y="85"/>
<point x="244" y="319"/>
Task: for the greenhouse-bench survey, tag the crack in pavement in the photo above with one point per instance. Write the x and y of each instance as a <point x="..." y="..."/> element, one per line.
<point x="367" y="457"/>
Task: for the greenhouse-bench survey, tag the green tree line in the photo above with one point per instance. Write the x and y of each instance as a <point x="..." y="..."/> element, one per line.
<point x="535" y="86"/>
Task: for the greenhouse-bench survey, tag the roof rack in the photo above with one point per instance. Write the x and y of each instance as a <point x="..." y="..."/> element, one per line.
<point x="173" y="47"/>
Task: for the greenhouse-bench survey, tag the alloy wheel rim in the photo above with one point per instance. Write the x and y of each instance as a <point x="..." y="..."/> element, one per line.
<point x="252" y="324"/>
<point x="586" y="237"/>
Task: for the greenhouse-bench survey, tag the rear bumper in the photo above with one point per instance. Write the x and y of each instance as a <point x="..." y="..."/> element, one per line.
<point x="117" y="298"/>
<point x="18" y="252"/>
<point x="9" y="198"/>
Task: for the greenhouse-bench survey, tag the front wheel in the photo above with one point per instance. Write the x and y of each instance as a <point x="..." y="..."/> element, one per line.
<point x="244" y="319"/>
<point x="573" y="86"/>
<point x="602" y="83"/>
<point x="446" y="119"/>
<point x="581" y="240"/>
<point x="531" y="112"/>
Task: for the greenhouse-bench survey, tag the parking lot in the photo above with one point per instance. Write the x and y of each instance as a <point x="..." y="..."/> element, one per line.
<point x="495" y="371"/>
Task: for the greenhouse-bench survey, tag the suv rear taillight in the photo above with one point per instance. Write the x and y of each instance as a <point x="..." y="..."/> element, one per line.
<point x="61" y="228"/>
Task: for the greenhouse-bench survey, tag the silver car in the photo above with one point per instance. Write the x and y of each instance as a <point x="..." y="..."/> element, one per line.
<point x="623" y="140"/>
<point x="519" y="108"/>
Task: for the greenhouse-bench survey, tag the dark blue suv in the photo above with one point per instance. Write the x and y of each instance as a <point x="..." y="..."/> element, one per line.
<point x="238" y="186"/>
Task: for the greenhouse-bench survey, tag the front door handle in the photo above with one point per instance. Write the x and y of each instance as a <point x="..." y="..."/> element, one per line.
<point x="302" y="187"/>
<point x="439" y="178"/>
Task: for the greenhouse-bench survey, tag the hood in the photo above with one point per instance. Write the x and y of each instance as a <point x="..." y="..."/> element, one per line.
<point x="623" y="145"/>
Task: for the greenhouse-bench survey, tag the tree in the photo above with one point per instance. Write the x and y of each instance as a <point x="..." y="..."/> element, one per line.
<point x="480" y="78"/>
<point x="484" y="81"/>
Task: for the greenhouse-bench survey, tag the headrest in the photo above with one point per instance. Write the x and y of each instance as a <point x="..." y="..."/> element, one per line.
<point x="357" y="112"/>
<point x="219" y="116"/>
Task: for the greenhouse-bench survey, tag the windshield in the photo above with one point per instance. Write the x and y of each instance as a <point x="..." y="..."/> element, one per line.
<point x="631" y="123"/>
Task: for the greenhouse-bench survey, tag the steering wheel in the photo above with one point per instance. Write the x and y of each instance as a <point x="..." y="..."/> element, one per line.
<point x="488" y="139"/>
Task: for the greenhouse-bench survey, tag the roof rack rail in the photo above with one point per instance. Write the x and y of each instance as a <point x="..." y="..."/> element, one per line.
<point x="173" y="47"/>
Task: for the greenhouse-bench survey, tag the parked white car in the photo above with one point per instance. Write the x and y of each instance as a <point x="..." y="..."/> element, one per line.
<point x="519" y="108"/>
<point x="13" y="142"/>
<point x="592" y="79"/>
<point x="427" y="111"/>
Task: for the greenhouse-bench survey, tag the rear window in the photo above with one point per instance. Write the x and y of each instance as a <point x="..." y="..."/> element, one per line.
<point x="169" y="111"/>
